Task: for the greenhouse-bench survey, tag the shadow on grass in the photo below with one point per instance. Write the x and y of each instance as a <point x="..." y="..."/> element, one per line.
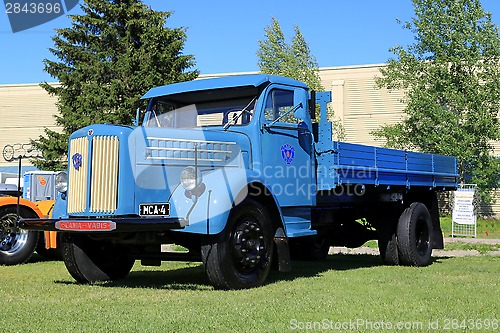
<point x="187" y="278"/>
<point x="35" y="258"/>
<point x="194" y="277"/>
<point x="336" y="262"/>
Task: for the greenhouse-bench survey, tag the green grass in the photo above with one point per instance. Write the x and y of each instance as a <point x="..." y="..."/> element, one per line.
<point x="489" y="228"/>
<point x="176" y="297"/>
<point x="481" y="248"/>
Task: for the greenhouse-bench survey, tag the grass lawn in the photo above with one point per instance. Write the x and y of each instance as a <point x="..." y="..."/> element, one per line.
<point x="176" y="297"/>
<point x="484" y="228"/>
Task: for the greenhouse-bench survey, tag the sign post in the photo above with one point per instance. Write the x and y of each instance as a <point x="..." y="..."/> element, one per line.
<point x="464" y="217"/>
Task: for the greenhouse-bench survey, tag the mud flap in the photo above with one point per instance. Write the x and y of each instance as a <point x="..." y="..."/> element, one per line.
<point x="437" y="233"/>
<point x="282" y="251"/>
<point x="50" y="239"/>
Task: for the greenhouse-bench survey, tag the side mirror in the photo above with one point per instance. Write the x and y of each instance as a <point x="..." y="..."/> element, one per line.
<point x="300" y="98"/>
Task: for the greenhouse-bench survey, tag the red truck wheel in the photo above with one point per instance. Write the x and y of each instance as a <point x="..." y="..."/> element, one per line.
<point x="16" y="245"/>
<point x="242" y="258"/>
<point x="414" y="235"/>
<point x="89" y="260"/>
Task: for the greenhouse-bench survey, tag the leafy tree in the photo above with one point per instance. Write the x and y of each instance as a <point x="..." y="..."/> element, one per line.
<point x="451" y="76"/>
<point x="107" y="59"/>
<point x="277" y="57"/>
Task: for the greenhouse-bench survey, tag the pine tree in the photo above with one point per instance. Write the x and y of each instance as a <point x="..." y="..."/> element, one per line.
<point x="451" y="76"/>
<point x="107" y="59"/>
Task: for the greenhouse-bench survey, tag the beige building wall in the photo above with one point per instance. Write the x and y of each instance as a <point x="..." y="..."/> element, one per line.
<point x="25" y="111"/>
<point x="360" y="105"/>
<point x="362" y="108"/>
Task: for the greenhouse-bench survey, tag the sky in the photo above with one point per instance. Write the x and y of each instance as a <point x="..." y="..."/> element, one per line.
<point x="223" y="35"/>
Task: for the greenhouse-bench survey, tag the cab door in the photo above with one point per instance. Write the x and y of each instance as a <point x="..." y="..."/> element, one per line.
<point x="287" y="146"/>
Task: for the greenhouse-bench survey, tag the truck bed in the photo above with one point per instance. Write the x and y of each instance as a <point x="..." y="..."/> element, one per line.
<point x="351" y="163"/>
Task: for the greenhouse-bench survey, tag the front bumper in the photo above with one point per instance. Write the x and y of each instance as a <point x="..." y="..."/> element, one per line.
<point x="136" y="224"/>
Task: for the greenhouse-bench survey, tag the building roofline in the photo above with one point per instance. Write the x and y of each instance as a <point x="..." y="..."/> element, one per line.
<point x="7" y="85"/>
<point x="353" y="66"/>
<point x="214" y="75"/>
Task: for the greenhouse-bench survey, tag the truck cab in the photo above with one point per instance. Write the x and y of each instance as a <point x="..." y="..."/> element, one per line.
<point x="235" y="170"/>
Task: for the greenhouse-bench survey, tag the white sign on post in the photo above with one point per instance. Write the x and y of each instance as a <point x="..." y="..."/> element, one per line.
<point x="464" y="212"/>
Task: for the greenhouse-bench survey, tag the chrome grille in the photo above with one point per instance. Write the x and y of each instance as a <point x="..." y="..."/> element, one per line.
<point x="78" y="175"/>
<point x="103" y="175"/>
<point x="169" y="149"/>
<point x="104" y="183"/>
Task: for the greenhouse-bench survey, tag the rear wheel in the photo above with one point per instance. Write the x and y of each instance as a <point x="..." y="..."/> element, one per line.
<point x="242" y="257"/>
<point x="414" y="235"/>
<point x="387" y="223"/>
<point x="387" y="245"/>
<point x="90" y="260"/>
<point x="16" y="245"/>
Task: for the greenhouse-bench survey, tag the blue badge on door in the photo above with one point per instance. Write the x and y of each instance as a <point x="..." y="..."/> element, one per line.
<point x="287" y="153"/>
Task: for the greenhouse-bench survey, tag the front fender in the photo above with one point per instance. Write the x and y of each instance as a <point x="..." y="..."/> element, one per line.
<point x="12" y="201"/>
<point x="208" y="212"/>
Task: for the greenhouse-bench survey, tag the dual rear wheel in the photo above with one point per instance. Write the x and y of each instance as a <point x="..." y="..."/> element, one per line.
<point x="407" y="241"/>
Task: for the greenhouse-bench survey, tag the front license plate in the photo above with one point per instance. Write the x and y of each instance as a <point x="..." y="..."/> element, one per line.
<point x="154" y="209"/>
<point x="85" y="225"/>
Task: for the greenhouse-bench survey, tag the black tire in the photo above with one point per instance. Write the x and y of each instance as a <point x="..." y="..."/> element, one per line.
<point x="89" y="260"/>
<point x="242" y="256"/>
<point x="387" y="246"/>
<point x="387" y="223"/>
<point x="414" y="236"/>
<point x="16" y="245"/>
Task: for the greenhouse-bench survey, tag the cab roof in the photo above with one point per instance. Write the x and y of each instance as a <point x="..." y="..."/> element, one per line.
<point x="251" y="80"/>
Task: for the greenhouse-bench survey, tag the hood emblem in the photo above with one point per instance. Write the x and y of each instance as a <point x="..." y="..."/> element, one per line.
<point x="77" y="161"/>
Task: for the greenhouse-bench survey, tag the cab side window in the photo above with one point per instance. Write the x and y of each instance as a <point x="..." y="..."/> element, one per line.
<point x="278" y="102"/>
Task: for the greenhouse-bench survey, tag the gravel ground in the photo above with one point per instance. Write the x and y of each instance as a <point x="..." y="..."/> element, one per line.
<point x="435" y="253"/>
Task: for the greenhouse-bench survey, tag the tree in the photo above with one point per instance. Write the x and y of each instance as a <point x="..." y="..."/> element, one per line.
<point x="451" y="76"/>
<point x="107" y="59"/>
<point x="277" y="57"/>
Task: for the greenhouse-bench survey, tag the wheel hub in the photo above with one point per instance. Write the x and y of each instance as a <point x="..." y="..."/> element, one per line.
<point x="248" y="245"/>
<point x="422" y="239"/>
<point x="10" y="241"/>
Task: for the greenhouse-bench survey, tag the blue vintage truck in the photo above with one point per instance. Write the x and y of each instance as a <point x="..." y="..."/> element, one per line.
<point x="236" y="170"/>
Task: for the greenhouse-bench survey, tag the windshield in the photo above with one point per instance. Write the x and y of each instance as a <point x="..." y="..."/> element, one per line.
<point x="169" y="114"/>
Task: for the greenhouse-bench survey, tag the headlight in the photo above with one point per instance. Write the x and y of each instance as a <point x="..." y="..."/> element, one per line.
<point x="189" y="178"/>
<point x="62" y="182"/>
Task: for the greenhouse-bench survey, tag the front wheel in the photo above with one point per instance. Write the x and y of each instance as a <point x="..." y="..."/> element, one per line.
<point x="90" y="260"/>
<point x="414" y="235"/>
<point x="16" y="245"/>
<point x="242" y="257"/>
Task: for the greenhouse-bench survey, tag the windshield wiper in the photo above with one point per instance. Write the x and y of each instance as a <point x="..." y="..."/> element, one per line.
<point x="235" y="120"/>
<point x="156" y="117"/>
